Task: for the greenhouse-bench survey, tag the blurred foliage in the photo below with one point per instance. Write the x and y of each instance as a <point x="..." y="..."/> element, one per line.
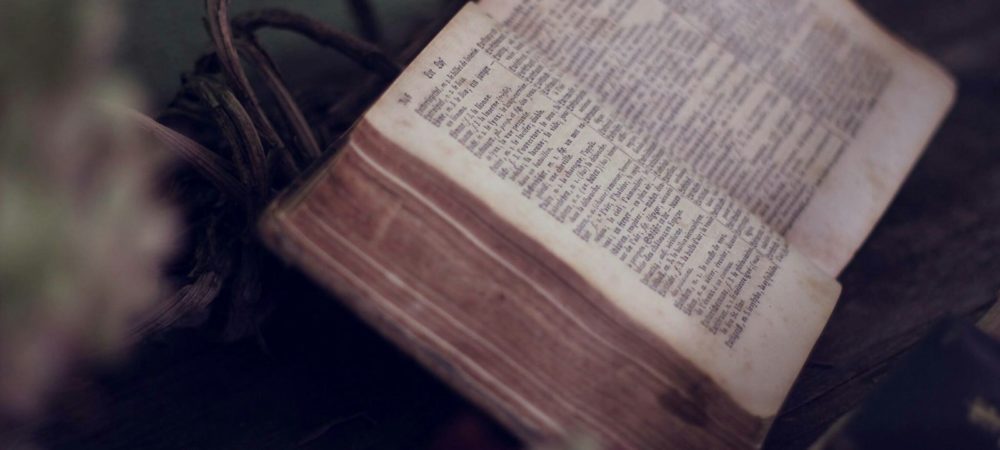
<point x="82" y="235"/>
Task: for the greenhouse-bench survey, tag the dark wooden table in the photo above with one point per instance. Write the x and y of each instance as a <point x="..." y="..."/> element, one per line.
<point x="319" y="379"/>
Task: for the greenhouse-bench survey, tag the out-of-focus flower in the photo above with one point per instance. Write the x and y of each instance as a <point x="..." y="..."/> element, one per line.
<point x="82" y="234"/>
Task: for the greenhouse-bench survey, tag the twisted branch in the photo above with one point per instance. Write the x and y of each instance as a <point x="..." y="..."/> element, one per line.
<point x="237" y="127"/>
<point x="305" y="139"/>
<point x="370" y="28"/>
<point x="367" y="55"/>
<point x="213" y="167"/>
<point x="222" y="35"/>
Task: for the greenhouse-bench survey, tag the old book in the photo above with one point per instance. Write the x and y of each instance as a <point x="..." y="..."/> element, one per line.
<point x="624" y="218"/>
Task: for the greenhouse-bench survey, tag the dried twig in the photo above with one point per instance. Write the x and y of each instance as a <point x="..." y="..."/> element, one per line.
<point x="213" y="167"/>
<point x="222" y="35"/>
<point x="192" y="297"/>
<point x="370" y="28"/>
<point x="305" y="139"/>
<point x="245" y="306"/>
<point x="219" y="105"/>
<point x="237" y="127"/>
<point x="364" y="53"/>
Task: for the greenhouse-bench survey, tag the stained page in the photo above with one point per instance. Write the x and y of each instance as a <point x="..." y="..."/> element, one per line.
<point x="801" y="110"/>
<point x="678" y="255"/>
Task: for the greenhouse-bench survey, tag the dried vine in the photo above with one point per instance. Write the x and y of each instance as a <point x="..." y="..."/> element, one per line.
<point x="366" y="54"/>
<point x="241" y="144"/>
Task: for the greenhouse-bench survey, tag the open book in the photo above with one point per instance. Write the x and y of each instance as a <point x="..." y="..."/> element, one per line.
<point x="619" y="217"/>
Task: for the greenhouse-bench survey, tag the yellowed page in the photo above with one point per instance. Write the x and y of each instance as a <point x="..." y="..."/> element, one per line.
<point x="863" y="182"/>
<point x="802" y="110"/>
<point x="680" y="257"/>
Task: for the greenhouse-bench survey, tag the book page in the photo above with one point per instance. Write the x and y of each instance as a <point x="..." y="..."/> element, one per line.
<point x="679" y="256"/>
<point x="801" y="110"/>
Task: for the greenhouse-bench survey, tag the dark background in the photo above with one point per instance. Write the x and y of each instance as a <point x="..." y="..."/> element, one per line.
<point x="317" y="378"/>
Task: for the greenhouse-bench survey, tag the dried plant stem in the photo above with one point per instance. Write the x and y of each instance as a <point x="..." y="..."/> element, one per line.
<point x="195" y="296"/>
<point x="370" y="28"/>
<point x="353" y="100"/>
<point x="222" y="35"/>
<point x="213" y="167"/>
<point x="245" y="306"/>
<point x="220" y="101"/>
<point x="364" y="53"/>
<point x="237" y="127"/>
<point x="305" y="138"/>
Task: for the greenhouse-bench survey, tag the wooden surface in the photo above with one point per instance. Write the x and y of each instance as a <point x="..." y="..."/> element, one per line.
<point x="318" y="378"/>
